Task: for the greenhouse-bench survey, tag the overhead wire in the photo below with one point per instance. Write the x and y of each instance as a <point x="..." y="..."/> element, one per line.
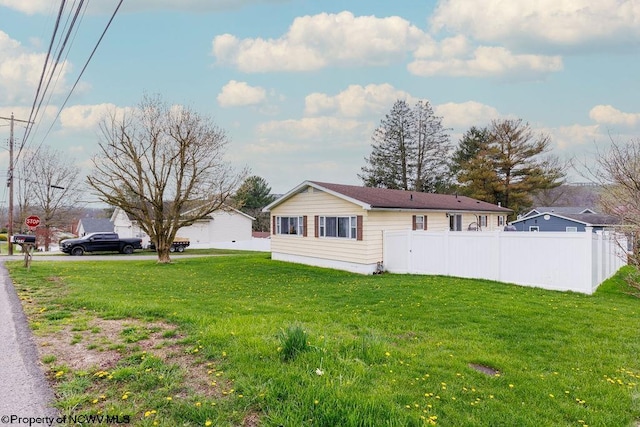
<point x="86" y="64"/>
<point x="60" y="49"/>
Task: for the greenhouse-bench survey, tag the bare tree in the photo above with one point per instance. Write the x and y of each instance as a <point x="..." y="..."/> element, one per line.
<point x="50" y="186"/>
<point x="619" y="175"/>
<point x="164" y="166"/>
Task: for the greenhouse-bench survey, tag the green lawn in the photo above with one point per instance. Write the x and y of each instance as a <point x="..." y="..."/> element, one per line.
<point x="293" y="345"/>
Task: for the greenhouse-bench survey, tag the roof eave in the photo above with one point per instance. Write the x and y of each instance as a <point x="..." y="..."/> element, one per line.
<point x="312" y="184"/>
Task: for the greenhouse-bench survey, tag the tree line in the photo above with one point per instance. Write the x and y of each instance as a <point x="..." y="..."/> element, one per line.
<point x="503" y="163"/>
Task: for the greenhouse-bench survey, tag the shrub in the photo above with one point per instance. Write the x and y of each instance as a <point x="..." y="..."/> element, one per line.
<point x="3" y="237"/>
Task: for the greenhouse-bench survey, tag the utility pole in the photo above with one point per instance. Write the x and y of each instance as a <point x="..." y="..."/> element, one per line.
<point x="10" y="177"/>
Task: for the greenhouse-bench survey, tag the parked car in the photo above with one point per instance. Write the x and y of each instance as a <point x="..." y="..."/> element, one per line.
<point x="100" y="242"/>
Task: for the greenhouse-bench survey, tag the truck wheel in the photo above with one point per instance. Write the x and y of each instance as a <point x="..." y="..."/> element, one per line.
<point x="172" y="248"/>
<point x="127" y="250"/>
<point x="77" y="251"/>
<point x="180" y="248"/>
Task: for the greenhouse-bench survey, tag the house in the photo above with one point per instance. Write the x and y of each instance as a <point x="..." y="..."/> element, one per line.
<point x="223" y="226"/>
<point x="561" y="210"/>
<point x="341" y="226"/>
<point x="94" y="225"/>
<point x="563" y="219"/>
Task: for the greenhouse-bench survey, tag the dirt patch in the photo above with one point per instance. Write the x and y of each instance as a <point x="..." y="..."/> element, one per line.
<point x="487" y="370"/>
<point x="101" y="344"/>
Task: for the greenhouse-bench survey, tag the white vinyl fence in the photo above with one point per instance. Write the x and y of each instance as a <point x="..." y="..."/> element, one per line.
<point x="562" y="261"/>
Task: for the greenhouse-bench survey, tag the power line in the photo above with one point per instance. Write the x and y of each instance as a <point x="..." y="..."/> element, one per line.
<point x="79" y="76"/>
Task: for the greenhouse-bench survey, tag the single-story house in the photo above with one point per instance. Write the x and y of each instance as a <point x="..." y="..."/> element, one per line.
<point x="571" y="222"/>
<point x="341" y="226"/>
<point x="223" y="226"/>
<point x="94" y="225"/>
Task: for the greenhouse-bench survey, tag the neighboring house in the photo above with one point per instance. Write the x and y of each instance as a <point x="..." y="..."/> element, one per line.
<point x="571" y="222"/>
<point x="222" y="226"/>
<point x="341" y="226"/>
<point x="94" y="225"/>
<point x="561" y="210"/>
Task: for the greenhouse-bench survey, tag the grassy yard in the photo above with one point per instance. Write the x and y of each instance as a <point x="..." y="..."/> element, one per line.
<point x="243" y="340"/>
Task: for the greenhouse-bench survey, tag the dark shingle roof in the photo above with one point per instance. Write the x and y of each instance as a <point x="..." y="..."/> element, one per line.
<point x="384" y="198"/>
<point x="562" y="210"/>
<point x="95" y="225"/>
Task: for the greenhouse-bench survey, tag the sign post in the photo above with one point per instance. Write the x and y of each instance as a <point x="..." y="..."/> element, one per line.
<point x="32" y="222"/>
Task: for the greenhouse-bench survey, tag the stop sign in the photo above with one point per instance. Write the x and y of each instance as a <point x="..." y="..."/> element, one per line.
<point x="32" y="221"/>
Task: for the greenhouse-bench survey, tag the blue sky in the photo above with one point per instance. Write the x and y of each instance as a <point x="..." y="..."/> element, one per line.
<point x="299" y="86"/>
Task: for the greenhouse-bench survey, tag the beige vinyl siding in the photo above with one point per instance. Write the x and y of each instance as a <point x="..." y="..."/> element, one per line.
<point x="312" y="203"/>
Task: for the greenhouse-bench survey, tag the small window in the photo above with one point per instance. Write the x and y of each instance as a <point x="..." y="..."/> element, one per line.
<point x="534" y="228"/>
<point x="419" y="222"/>
<point x="571" y="229"/>
<point x="500" y="220"/>
<point x="482" y="220"/>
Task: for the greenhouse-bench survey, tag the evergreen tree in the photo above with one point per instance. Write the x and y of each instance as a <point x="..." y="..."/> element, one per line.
<point x="505" y="164"/>
<point x="409" y="150"/>
<point x="432" y="149"/>
<point x="253" y="195"/>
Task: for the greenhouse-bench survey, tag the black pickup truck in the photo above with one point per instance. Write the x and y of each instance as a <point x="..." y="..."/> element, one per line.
<point x="100" y="242"/>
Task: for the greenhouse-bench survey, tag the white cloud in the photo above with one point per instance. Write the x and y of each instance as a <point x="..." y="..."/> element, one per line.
<point x="326" y="129"/>
<point x="88" y="117"/>
<point x="549" y="23"/>
<point x="236" y="94"/>
<point x="20" y="72"/>
<point x="570" y="137"/>
<point x="607" y="114"/>
<point x="466" y="114"/>
<point x="489" y="61"/>
<point x="356" y="101"/>
<point x="314" y="42"/>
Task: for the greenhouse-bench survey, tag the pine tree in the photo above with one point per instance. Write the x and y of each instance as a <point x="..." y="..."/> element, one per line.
<point x="409" y="150"/>
<point x="505" y="164"/>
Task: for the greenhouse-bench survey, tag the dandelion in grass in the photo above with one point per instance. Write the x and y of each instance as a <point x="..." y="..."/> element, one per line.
<point x="511" y="385"/>
<point x="59" y="374"/>
<point x="169" y="398"/>
<point x="208" y="423"/>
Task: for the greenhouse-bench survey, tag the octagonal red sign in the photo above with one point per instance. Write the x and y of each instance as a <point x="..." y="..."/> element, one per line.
<point x="32" y="221"/>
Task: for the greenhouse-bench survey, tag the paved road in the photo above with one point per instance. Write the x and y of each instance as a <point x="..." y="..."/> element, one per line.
<point x="24" y="391"/>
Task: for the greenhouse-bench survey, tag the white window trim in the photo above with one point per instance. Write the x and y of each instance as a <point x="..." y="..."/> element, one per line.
<point x="299" y="228"/>
<point x="571" y="229"/>
<point x="534" y="228"/>
<point x="420" y="225"/>
<point x="353" y="227"/>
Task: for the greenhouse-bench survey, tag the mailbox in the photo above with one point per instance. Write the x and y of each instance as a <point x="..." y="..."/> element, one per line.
<point x="23" y="238"/>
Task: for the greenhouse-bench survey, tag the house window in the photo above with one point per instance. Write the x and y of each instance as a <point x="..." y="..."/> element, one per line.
<point x="338" y="226"/>
<point x="482" y="220"/>
<point x="500" y="220"/>
<point x="290" y="225"/>
<point x="571" y="229"/>
<point x="419" y="222"/>
<point x="455" y="222"/>
<point x="534" y="228"/>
